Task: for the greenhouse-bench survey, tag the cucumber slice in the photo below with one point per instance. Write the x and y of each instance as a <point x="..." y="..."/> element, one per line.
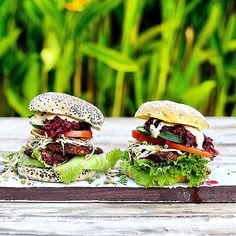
<point x="171" y="137"/>
<point x="143" y="131"/>
<point x="36" y="122"/>
<point x="37" y="126"/>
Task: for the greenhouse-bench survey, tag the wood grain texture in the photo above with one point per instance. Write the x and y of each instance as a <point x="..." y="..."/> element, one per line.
<point x="117" y="219"/>
<point x="224" y="194"/>
<point x="63" y="218"/>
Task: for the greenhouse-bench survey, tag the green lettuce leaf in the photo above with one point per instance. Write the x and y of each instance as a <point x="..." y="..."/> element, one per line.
<point x="22" y="159"/>
<point x="148" y="174"/>
<point x="71" y="170"/>
<point x="37" y="156"/>
<point x="29" y="161"/>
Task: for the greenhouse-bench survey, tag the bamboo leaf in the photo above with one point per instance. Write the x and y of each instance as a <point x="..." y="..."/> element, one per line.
<point x="198" y="95"/>
<point x="131" y="23"/>
<point x="210" y="26"/>
<point x="229" y="33"/>
<point x="151" y="33"/>
<point x="8" y="41"/>
<point x="112" y="58"/>
<point x="65" y="68"/>
<point x="132" y="16"/>
<point x="51" y="53"/>
<point x="92" y="12"/>
<point x="231" y="46"/>
<point x="31" y="84"/>
<point x="51" y="13"/>
<point x="30" y="11"/>
<point x="19" y="104"/>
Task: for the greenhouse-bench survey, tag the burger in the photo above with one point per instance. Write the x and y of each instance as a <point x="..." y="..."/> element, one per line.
<point x="170" y="147"/>
<point x="60" y="147"/>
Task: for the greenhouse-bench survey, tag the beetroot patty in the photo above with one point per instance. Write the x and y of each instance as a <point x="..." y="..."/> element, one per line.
<point x="53" y="154"/>
<point x="163" y="156"/>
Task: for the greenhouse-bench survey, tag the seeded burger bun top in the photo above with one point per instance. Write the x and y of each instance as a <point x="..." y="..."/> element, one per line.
<point x="64" y="104"/>
<point x="172" y="112"/>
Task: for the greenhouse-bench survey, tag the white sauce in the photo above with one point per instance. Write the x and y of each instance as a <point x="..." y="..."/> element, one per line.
<point x="155" y="131"/>
<point x="197" y="133"/>
<point x="38" y="117"/>
<point x="63" y="117"/>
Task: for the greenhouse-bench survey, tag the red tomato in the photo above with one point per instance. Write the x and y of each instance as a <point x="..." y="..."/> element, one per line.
<point x="79" y="134"/>
<point x="140" y="137"/>
<point x="193" y="150"/>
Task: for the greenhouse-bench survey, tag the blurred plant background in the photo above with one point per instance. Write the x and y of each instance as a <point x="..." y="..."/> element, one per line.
<point x="119" y="53"/>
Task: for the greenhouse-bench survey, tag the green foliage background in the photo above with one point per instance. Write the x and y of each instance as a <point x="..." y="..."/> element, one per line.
<point x="119" y="53"/>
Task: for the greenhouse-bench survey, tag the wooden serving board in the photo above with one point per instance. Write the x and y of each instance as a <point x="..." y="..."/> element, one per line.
<point x="223" y="194"/>
<point x="115" y="134"/>
<point x="109" y="188"/>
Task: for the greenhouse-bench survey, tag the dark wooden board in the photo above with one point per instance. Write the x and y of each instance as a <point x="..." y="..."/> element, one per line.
<point x="223" y="194"/>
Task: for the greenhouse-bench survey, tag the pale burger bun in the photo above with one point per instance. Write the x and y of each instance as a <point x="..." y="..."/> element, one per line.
<point x="172" y="112"/>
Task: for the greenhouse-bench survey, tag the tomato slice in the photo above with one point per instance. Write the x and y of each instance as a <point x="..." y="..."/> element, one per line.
<point x="79" y="134"/>
<point x="193" y="150"/>
<point x="140" y="137"/>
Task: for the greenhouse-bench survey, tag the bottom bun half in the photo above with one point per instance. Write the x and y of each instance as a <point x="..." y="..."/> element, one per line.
<point x="47" y="175"/>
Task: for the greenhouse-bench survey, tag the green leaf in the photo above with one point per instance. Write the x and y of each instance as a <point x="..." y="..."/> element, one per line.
<point x="209" y="27"/>
<point x="71" y="170"/>
<point x="149" y="174"/>
<point x="64" y="68"/>
<point x="18" y="103"/>
<point x="131" y="23"/>
<point x="31" y="12"/>
<point x="31" y="84"/>
<point x="51" y="14"/>
<point x="37" y="156"/>
<point x="198" y="95"/>
<point x="150" y="34"/>
<point x="113" y="58"/>
<point x="8" y="41"/>
<point x="229" y="34"/>
<point x="92" y="12"/>
<point x="51" y="52"/>
<point x="28" y="161"/>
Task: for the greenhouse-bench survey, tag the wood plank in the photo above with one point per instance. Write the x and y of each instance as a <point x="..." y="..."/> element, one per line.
<point x="44" y="225"/>
<point x="78" y="209"/>
<point x="116" y="219"/>
<point x="122" y="194"/>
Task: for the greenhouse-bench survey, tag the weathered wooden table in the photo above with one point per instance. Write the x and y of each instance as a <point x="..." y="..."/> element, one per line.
<point x="113" y="218"/>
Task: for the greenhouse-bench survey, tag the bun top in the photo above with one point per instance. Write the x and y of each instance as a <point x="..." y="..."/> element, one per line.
<point x="172" y="112"/>
<point x="64" y="104"/>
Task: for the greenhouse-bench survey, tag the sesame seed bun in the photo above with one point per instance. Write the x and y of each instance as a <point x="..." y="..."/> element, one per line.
<point x="64" y="104"/>
<point x="47" y="175"/>
<point x="172" y="112"/>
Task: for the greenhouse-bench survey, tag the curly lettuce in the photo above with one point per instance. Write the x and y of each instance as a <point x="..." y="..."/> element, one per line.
<point x="149" y="174"/>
